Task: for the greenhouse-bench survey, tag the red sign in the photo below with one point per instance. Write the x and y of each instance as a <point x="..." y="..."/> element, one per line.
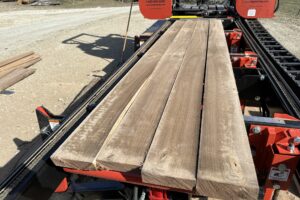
<point x="156" y="9"/>
<point x="255" y="8"/>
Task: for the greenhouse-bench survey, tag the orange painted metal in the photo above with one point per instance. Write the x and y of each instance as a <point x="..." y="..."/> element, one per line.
<point x="156" y="9"/>
<point x="157" y="194"/>
<point x="268" y="193"/>
<point x="244" y="60"/>
<point x="129" y="177"/>
<point x="233" y="38"/>
<point x="63" y="186"/>
<point x="252" y="9"/>
<point x="43" y="111"/>
<point x="274" y="160"/>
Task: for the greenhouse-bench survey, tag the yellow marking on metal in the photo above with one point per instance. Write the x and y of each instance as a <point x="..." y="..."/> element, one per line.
<point x="184" y="17"/>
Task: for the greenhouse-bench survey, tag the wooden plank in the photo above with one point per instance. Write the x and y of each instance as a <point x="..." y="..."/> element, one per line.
<point x="14" y="77"/>
<point x="15" y="58"/>
<point x="80" y="149"/>
<point x="125" y="148"/>
<point x="22" y="63"/>
<point x="225" y="165"/>
<point x="172" y="157"/>
<point x="12" y="65"/>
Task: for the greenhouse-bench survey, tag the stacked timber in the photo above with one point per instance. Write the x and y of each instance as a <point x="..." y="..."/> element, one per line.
<point x="38" y="2"/>
<point x="175" y="118"/>
<point x="45" y="3"/>
<point x="16" y="69"/>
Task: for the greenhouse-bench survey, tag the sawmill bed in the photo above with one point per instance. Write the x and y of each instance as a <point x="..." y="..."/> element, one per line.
<point x="38" y="177"/>
<point x="174" y="119"/>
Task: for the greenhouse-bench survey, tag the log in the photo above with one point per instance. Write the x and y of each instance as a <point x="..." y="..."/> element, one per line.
<point x="225" y="165"/>
<point x="172" y="157"/>
<point x="126" y="147"/>
<point x="14" y="77"/>
<point x="79" y="151"/>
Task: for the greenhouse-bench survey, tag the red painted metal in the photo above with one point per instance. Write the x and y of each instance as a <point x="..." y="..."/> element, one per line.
<point x="268" y="193"/>
<point x="244" y="60"/>
<point x="156" y="9"/>
<point x="243" y="105"/>
<point x="161" y="9"/>
<point x="63" y="186"/>
<point x="130" y="177"/>
<point x="42" y="110"/>
<point x="274" y="160"/>
<point x="157" y="194"/>
<point x="233" y="38"/>
<point x="255" y="8"/>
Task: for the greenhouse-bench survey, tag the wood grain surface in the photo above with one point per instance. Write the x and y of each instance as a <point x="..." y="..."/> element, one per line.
<point x="125" y="149"/>
<point x="172" y="157"/>
<point x="151" y="122"/>
<point x="225" y="165"/>
<point x="15" y="58"/>
<point x="80" y="149"/>
<point x="23" y="62"/>
<point x="14" y="77"/>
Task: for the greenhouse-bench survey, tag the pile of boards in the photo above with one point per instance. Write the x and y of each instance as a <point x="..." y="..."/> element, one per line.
<point x="175" y="117"/>
<point x="16" y="69"/>
<point x="45" y="3"/>
<point x="38" y="2"/>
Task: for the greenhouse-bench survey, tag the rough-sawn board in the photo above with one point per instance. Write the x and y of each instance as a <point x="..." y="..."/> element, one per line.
<point x="151" y="121"/>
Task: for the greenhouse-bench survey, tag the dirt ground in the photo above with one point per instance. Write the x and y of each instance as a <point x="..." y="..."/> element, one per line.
<point x="12" y="6"/>
<point x="75" y="45"/>
<point x="285" y="26"/>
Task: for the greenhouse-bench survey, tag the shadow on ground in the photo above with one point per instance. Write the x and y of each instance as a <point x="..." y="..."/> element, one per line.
<point x="108" y="48"/>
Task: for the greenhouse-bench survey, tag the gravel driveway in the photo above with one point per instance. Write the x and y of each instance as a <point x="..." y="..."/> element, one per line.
<point x="20" y="28"/>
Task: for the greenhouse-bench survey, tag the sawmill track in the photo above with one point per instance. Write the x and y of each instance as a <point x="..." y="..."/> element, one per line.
<point x="281" y="67"/>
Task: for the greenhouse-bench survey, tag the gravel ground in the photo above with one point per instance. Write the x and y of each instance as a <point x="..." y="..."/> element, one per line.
<point x="75" y="45"/>
<point x="12" y="6"/>
<point x="285" y="28"/>
<point x="20" y="28"/>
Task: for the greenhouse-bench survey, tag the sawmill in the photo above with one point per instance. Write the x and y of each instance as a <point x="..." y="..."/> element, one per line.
<point x="208" y="106"/>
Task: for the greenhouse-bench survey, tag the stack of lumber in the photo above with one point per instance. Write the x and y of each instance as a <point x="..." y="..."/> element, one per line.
<point x="175" y="117"/>
<point x="16" y="69"/>
<point x="39" y="2"/>
<point x="45" y="3"/>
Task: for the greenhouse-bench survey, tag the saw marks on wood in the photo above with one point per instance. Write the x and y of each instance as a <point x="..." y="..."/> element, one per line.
<point x="125" y="149"/>
<point x="80" y="150"/>
<point x="225" y="165"/>
<point x="177" y="135"/>
<point x="151" y="122"/>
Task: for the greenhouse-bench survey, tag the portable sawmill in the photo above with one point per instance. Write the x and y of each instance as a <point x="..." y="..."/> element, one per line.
<point x="207" y="106"/>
